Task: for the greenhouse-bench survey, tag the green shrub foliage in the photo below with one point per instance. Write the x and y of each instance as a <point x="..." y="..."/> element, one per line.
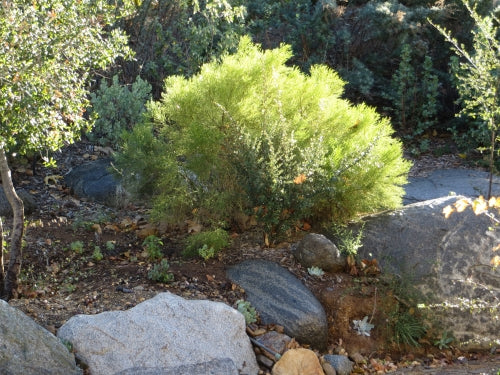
<point x="362" y="40"/>
<point x="414" y="94"/>
<point x="252" y="134"/>
<point x="117" y="108"/>
<point x="206" y="244"/>
<point x="178" y="36"/>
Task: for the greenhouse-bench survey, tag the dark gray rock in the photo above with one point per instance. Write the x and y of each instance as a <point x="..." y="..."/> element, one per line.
<point x="317" y="250"/>
<point x="275" y="341"/>
<point x="443" y="182"/>
<point x="94" y="181"/>
<point x="28" y="349"/>
<point x="28" y="200"/>
<point x="341" y="364"/>
<point x="215" y="367"/>
<point x="447" y="260"/>
<point x="163" y="333"/>
<point x="280" y="298"/>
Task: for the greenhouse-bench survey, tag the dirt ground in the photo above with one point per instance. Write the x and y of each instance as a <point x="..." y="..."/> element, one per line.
<point x="61" y="276"/>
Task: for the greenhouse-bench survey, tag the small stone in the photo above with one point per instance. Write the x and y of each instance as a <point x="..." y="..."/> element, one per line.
<point x="256" y="332"/>
<point x="115" y="341"/>
<point x="298" y="362"/>
<point x="341" y="364"/>
<point x="358" y="358"/>
<point x="315" y="250"/>
<point x="275" y="341"/>
<point x="27" y="348"/>
<point x="281" y="298"/>
<point x="264" y="361"/>
<point x="328" y="369"/>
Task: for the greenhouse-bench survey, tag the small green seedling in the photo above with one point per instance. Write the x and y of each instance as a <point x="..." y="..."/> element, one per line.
<point x="363" y="327"/>
<point x="247" y="310"/>
<point x="70" y="288"/>
<point x="97" y="254"/>
<point x="160" y="274"/>
<point x="444" y="341"/>
<point x="76" y="246"/>
<point x="206" y="252"/>
<point x="110" y="245"/>
<point x="315" y="271"/>
<point x="152" y="246"/>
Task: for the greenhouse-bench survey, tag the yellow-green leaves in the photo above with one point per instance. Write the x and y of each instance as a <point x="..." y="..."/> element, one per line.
<point x="480" y="206"/>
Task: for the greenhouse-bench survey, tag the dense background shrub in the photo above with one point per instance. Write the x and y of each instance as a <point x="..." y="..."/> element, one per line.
<point x="117" y="108"/>
<point x="251" y="134"/>
<point x="177" y="37"/>
<point x="362" y="40"/>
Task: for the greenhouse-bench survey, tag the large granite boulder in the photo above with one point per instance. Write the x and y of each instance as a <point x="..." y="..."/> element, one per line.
<point x="315" y="250"/>
<point x="28" y="349"/>
<point x="448" y="261"/>
<point x="163" y="335"/>
<point x="223" y="366"/>
<point x="443" y="182"/>
<point x="280" y="298"/>
<point x="28" y="200"/>
<point x="94" y="181"/>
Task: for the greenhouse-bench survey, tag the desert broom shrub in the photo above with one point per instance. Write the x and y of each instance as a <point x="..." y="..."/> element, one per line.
<point x="252" y="134"/>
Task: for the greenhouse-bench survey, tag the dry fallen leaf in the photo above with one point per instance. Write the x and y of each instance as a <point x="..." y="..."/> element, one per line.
<point x="193" y="226"/>
<point x="126" y="222"/>
<point x="266" y="240"/>
<point x="300" y="179"/>
<point x="97" y="228"/>
<point x="353" y="271"/>
<point x="54" y="178"/>
<point x="147" y="230"/>
<point x="112" y="228"/>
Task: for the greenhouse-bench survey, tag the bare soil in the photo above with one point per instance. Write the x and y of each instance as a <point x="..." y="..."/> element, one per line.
<point x="59" y="282"/>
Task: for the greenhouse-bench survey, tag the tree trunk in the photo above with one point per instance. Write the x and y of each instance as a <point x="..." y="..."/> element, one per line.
<point x="10" y="286"/>
<point x="2" y="270"/>
<point x="492" y="157"/>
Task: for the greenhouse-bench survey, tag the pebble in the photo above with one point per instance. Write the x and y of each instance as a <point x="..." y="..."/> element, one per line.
<point x="328" y="369"/>
<point x="358" y="358"/>
<point x="275" y="341"/>
<point x="264" y="361"/>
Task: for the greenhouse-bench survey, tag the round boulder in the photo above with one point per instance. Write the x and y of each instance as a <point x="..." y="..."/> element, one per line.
<point x="318" y="251"/>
